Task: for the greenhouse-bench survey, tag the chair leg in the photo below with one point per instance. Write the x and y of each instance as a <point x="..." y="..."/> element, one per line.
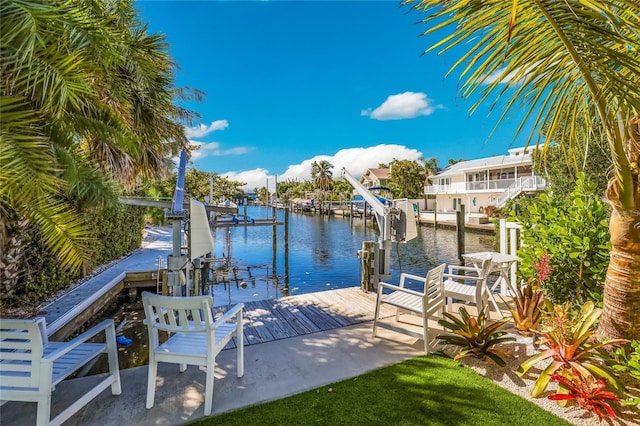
<point x="240" y="345"/>
<point x="151" y="382"/>
<point x="208" y="392"/>
<point x="183" y="368"/>
<point x="425" y="331"/>
<point x="44" y="410"/>
<point x="377" y="311"/>
<point x="112" y="355"/>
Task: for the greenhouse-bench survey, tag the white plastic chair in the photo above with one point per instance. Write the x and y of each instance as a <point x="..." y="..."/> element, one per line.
<point x="423" y="304"/>
<point x="194" y="338"/>
<point x="31" y="366"/>
<point x="469" y="284"/>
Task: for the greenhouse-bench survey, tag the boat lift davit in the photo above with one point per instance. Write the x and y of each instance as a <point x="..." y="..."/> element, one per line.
<point x="396" y="224"/>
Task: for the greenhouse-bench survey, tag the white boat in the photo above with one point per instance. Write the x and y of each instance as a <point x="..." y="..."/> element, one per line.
<point x="227" y="203"/>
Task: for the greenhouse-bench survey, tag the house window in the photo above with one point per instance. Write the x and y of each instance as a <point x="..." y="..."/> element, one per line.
<point x="456" y="203"/>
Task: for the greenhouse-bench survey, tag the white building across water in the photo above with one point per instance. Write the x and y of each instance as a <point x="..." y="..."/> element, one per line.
<point x="480" y="183"/>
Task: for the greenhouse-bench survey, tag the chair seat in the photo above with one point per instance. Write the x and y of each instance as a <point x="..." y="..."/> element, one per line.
<point x="405" y="301"/>
<point x="459" y="290"/>
<point x="72" y="360"/>
<point x="63" y="367"/>
<point x="195" y="344"/>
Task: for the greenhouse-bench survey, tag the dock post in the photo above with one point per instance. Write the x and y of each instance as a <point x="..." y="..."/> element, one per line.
<point x="435" y="215"/>
<point x="275" y="241"/>
<point x="285" y="290"/>
<point x="351" y="211"/>
<point x="460" y="231"/>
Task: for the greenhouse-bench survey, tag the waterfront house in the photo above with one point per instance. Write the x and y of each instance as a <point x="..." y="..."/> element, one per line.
<point x="490" y="181"/>
<point x="373" y="178"/>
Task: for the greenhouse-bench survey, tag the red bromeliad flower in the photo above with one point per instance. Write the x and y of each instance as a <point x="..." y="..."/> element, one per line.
<point x="588" y="392"/>
<point x="543" y="267"/>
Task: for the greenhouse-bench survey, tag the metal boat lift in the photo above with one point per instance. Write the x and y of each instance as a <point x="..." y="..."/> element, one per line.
<point x="396" y="224"/>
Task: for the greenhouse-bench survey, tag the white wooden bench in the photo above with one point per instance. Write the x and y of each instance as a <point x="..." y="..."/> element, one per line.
<point x="31" y="366"/>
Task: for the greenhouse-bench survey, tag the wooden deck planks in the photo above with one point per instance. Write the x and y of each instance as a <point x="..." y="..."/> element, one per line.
<point x="274" y="319"/>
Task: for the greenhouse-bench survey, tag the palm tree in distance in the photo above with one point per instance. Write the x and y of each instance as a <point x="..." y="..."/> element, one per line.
<point x="322" y="176"/>
<point x="571" y="62"/>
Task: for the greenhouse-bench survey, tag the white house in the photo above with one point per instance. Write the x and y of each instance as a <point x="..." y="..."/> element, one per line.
<point x="490" y="181"/>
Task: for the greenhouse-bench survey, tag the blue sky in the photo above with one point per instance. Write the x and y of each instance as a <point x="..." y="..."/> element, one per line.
<point x="292" y="82"/>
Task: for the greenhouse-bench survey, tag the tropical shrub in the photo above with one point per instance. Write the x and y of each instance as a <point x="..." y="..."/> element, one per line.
<point x="575" y="233"/>
<point x="587" y="391"/>
<point x="474" y="336"/>
<point x="628" y="361"/>
<point x="568" y="337"/>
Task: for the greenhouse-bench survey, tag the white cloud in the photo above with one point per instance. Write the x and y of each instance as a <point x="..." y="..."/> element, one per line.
<point x="202" y="130"/>
<point x="401" y="106"/>
<point x="256" y="178"/>
<point x="355" y="160"/>
<point x="208" y="149"/>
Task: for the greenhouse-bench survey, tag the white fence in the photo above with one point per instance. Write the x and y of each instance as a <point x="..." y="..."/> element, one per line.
<point x="510" y="241"/>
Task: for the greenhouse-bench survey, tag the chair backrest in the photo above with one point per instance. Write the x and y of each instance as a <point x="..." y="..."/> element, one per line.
<point x="177" y="314"/>
<point x="433" y="285"/>
<point x="21" y="349"/>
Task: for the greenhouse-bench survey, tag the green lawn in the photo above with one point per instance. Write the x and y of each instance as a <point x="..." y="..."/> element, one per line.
<point x="429" y="390"/>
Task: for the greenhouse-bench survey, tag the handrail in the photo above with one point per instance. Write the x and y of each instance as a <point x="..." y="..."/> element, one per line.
<point x="528" y="183"/>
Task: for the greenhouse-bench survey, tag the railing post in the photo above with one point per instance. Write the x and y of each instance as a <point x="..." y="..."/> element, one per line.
<point x="503" y="236"/>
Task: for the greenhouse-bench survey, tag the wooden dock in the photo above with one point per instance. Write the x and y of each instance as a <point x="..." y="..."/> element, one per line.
<point x="274" y="319"/>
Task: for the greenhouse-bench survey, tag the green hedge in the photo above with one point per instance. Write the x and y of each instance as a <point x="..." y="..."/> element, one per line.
<point x="117" y="231"/>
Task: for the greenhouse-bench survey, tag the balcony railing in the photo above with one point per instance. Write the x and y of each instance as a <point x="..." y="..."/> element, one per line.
<point x="464" y="187"/>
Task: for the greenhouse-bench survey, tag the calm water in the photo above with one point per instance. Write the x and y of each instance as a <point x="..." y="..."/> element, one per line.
<point x="322" y="255"/>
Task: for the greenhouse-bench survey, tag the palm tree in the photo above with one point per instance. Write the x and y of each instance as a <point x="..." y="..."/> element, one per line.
<point x="322" y="176"/>
<point x="86" y="99"/>
<point x="568" y="61"/>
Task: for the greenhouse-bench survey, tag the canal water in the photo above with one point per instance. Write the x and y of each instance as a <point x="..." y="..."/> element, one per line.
<point x="322" y="255"/>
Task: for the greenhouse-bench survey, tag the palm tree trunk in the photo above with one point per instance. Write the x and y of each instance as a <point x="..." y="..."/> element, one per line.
<point x="621" y="310"/>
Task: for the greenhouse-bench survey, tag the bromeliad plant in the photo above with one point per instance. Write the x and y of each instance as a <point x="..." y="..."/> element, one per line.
<point x="530" y="301"/>
<point x="473" y="335"/>
<point x="590" y="393"/>
<point x="571" y="347"/>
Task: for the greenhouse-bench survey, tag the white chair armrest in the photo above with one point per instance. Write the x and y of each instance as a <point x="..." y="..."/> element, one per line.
<point x="463" y="268"/>
<point x="228" y="315"/>
<point x="405" y="276"/>
<point x="401" y="289"/>
<point x="72" y="344"/>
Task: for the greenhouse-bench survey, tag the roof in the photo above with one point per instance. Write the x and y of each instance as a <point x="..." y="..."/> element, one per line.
<point x="380" y="173"/>
<point x="495" y="162"/>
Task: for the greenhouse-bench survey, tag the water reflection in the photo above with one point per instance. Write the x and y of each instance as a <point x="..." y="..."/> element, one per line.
<point x="322" y="255"/>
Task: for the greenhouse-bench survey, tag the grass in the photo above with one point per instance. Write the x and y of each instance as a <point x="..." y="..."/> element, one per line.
<point x="428" y="390"/>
